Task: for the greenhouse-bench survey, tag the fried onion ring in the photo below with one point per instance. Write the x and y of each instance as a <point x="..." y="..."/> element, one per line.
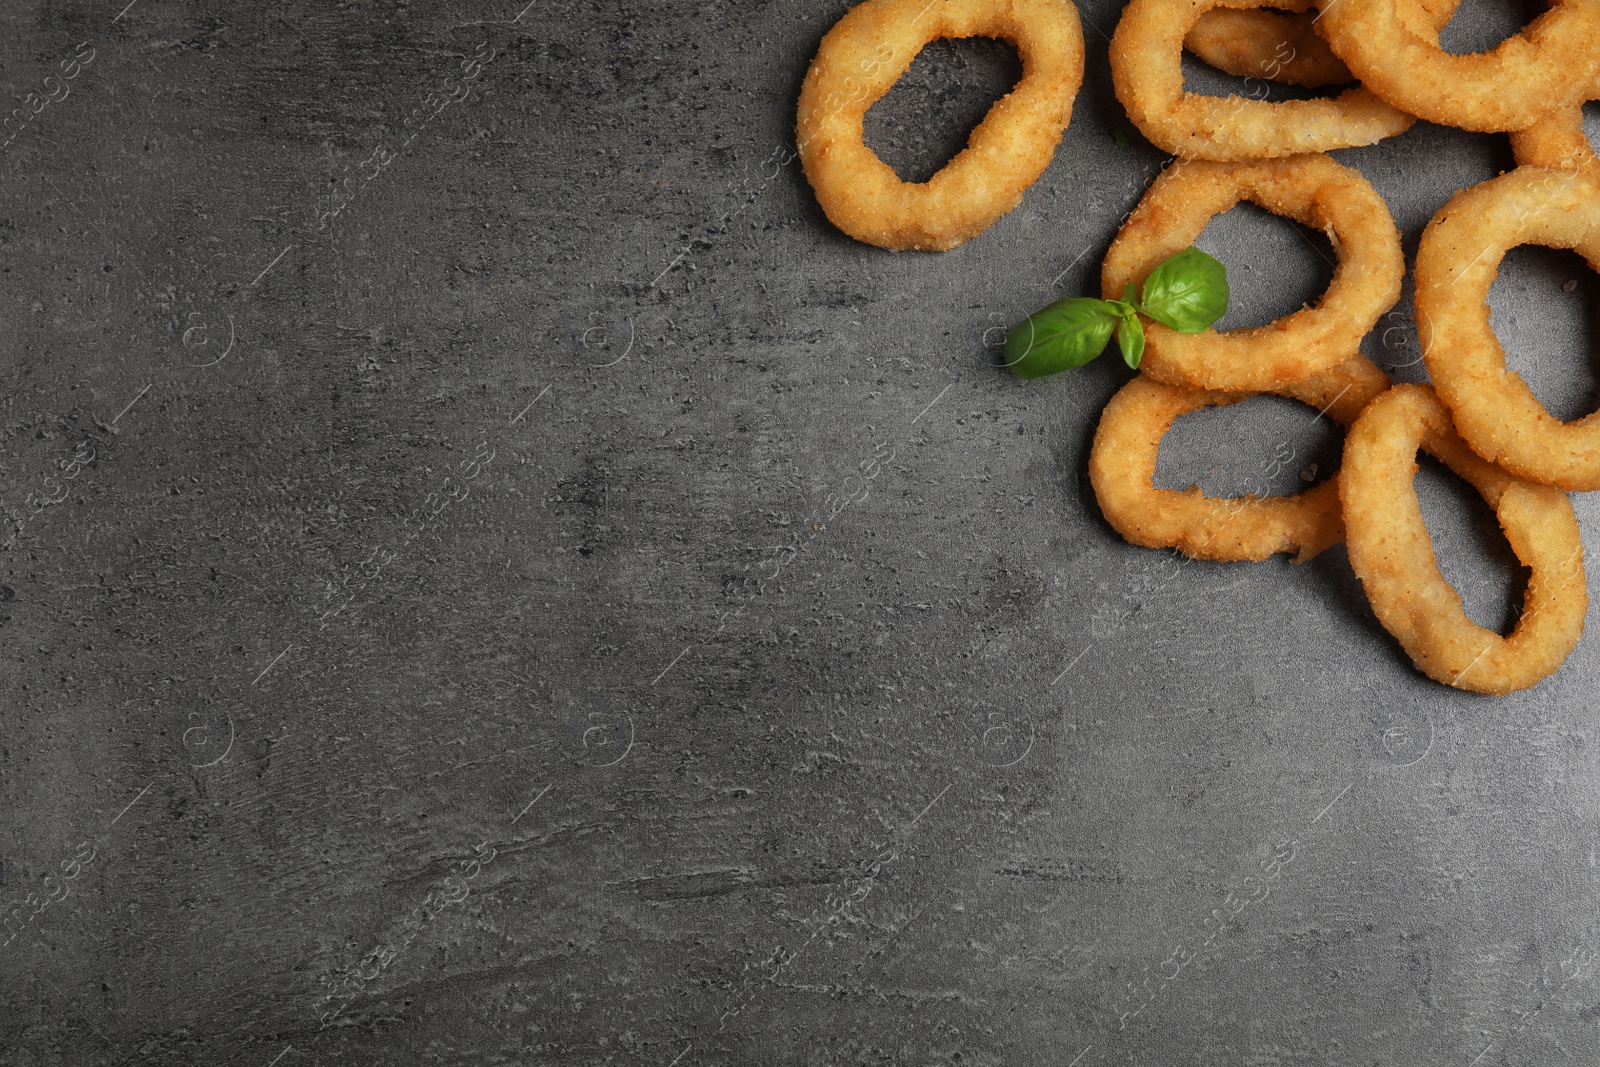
<point x="1280" y="46"/>
<point x="1392" y="554"/>
<point x="1557" y="141"/>
<point x="859" y="61"/>
<point x="1258" y="43"/>
<point x="1313" y="190"/>
<point x="1284" y="47"/>
<point x="1546" y="67"/>
<point x="1147" y="71"/>
<point x="1122" y="467"/>
<point x="1457" y="261"/>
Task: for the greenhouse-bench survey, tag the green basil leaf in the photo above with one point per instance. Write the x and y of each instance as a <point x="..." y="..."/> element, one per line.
<point x="1130" y="338"/>
<point x="1188" y="292"/>
<point x="1067" y="334"/>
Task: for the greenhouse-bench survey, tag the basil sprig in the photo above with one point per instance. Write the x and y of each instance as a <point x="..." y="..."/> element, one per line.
<point x="1187" y="293"/>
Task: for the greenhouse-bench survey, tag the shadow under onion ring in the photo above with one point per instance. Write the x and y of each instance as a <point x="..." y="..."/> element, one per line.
<point x="859" y="61"/>
<point x="1147" y="72"/>
<point x="1392" y="553"/>
<point x="1122" y="467"/>
<point x="1312" y="190"/>
<point x="1457" y="261"/>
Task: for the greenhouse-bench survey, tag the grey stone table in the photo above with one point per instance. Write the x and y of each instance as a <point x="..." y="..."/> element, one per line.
<point x="493" y="577"/>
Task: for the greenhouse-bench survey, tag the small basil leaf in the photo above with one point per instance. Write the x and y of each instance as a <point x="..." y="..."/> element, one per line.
<point x="1188" y="292"/>
<point x="1067" y="334"/>
<point x="1130" y="338"/>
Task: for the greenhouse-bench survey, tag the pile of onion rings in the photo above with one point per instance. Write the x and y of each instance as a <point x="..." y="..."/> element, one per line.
<point x="1483" y="422"/>
<point x="1478" y="417"/>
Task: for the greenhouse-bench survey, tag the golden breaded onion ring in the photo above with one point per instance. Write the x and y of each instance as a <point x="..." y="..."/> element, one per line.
<point x="1122" y="467"/>
<point x="1546" y="67"/>
<point x="1392" y="554"/>
<point x="1312" y="190"/>
<point x="859" y="61"/>
<point x="1457" y="261"/>
<point x="1260" y="43"/>
<point x="1284" y="47"/>
<point x="1281" y="46"/>
<point x="1147" y="72"/>
<point x="1557" y="141"/>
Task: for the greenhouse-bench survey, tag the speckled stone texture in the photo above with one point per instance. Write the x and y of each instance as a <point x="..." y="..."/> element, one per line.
<point x="491" y="577"/>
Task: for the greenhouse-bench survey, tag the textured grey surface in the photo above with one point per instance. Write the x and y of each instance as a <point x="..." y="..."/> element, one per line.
<point x="778" y="663"/>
